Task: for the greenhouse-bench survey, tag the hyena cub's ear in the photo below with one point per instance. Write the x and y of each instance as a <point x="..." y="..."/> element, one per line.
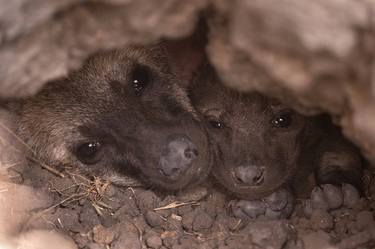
<point x="204" y="82"/>
<point x="158" y="54"/>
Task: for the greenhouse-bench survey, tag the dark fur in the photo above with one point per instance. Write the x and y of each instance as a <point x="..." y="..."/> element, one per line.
<point x="98" y="103"/>
<point x="247" y="137"/>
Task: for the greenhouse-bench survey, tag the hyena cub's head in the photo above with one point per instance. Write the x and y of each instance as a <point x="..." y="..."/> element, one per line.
<point x="122" y="112"/>
<point x="257" y="139"/>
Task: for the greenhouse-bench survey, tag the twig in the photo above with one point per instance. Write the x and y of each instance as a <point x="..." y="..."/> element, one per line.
<point x="175" y="205"/>
<point x="60" y="203"/>
<point x="140" y="234"/>
<point x="237" y="224"/>
<point x="45" y="166"/>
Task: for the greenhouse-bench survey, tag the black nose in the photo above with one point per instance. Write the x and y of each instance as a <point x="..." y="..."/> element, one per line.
<point x="177" y="156"/>
<point x="251" y="175"/>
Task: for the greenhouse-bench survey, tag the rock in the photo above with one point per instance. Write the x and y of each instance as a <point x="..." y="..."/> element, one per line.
<point x="187" y="221"/>
<point x="129" y="207"/>
<point x="318" y="239"/>
<point x="154" y="242"/>
<point x="92" y="245"/>
<point x="321" y="219"/>
<point x="169" y="238"/>
<point x="68" y="220"/>
<point x="128" y="236"/>
<point x="365" y="220"/>
<point x="358" y="240"/>
<point x="88" y="217"/>
<point x="268" y="234"/>
<point x="202" y="221"/>
<point x="103" y="235"/>
<point x="193" y="194"/>
<point x="147" y="201"/>
<point x="173" y="223"/>
<point x="153" y="219"/>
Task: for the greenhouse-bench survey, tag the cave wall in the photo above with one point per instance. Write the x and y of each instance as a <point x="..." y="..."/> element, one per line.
<point x="315" y="55"/>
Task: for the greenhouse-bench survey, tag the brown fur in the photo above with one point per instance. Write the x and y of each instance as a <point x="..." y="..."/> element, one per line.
<point x="99" y="103"/>
<point x="246" y="137"/>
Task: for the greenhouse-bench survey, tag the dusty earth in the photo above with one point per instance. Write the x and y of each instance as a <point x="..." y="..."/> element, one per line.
<point x="99" y="215"/>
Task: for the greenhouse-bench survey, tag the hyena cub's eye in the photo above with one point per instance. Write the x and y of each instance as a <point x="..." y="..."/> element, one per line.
<point x="89" y="153"/>
<point x="217" y="124"/>
<point x="140" y="78"/>
<point x="283" y="120"/>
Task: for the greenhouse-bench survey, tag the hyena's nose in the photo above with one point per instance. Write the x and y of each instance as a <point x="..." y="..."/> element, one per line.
<point x="251" y="175"/>
<point x="177" y="156"/>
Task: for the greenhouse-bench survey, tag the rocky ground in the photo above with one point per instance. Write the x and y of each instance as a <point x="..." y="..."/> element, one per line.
<point x="98" y="215"/>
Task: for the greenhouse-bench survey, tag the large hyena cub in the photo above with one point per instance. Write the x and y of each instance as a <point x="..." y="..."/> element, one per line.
<point x="262" y="145"/>
<point x="123" y="112"/>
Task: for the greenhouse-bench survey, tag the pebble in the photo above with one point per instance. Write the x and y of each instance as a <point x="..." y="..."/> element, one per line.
<point x="147" y="200"/>
<point x="154" y="242"/>
<point x="153" y="219"/>
<point x="103" y="235"/>
<point x="321" y="219"/>
<point x="202" y="221"/>
<point x="365" y="220"/>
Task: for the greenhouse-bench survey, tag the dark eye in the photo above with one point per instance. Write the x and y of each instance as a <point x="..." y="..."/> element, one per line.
<point x="140" y="78"/>
<point x="88" y="153"/>
<point x="216" y="124"/>
<point x="283" y="120"/>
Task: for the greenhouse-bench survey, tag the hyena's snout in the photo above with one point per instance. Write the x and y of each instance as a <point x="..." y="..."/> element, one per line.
<point x="249" y="174"/>
<point x="177" y="156"/>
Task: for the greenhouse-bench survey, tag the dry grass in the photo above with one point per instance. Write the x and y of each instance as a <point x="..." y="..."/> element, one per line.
<point x="176" y="204"/>
<point x="84" y="188"/>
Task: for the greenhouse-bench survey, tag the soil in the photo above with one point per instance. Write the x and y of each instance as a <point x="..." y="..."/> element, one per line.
<point x="99" y="215"/>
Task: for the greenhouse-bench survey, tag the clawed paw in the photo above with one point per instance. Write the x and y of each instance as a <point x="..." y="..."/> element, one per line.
<point x="277" y="205"/>
<point x="330" y="197"/>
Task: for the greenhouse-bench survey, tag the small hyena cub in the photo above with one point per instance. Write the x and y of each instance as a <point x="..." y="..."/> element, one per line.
<point x="123" y="112"/>
<point x="261" y="145"/>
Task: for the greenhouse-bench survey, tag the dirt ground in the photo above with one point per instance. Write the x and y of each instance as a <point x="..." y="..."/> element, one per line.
<point x="98" y="215"/>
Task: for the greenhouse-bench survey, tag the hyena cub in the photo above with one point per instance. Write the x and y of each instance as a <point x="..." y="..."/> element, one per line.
<point x="262" y="146"/>
<point x="123" y="112"/>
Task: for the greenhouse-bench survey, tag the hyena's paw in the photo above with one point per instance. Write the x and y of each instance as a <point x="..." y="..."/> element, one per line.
<point x="330" y="197"/>
<point x="277" y="205"/>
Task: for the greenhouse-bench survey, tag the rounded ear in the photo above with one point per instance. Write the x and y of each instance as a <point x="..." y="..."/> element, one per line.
<point x="204" y="82"/>
<point x="187" y="55"/>
<point x="158" y="53"/>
